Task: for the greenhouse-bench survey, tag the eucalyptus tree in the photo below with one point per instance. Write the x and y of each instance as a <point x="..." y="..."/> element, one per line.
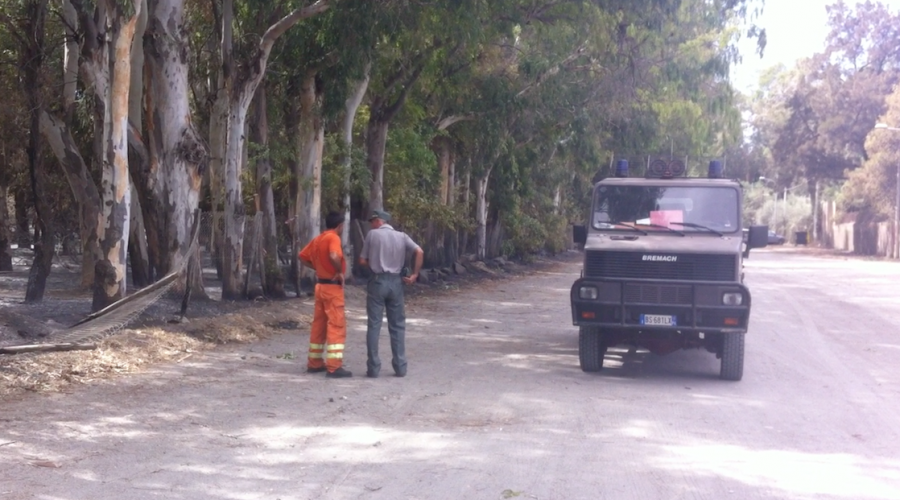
<point x="324" y="62"/>
<point x="237" y="85"/>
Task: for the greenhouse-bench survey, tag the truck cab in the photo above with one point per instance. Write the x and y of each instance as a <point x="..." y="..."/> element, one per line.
<point x="663" y="266"/>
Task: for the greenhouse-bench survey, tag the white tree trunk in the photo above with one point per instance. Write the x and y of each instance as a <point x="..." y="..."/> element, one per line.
<point x="309" y="163"/>
<point x="232" y="272"/>
<point x="376" y="138"/>
<point x="178" y="156"/>
<point x="481" y="210"/>
<point x="351" y="106"/>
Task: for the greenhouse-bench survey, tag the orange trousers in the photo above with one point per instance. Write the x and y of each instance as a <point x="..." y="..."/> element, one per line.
<point x="329" y="328"/>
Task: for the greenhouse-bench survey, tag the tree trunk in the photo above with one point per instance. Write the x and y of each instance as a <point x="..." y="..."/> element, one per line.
<point x="110" y="275"/>
<point x="481" y="210"/>
<point x="70" y="61"/>
<point x="141" y="275"/>
<point x="232" y="271"/>
<point x="376" y="138"/>
<point x="351" y="105"/>
<point x="243" y="86"/>
<point x="178" y="155"/>
<point x="31" y="61"/>
<point x="292" y="128"/>
<point x="309" y="156"/>
<point x="464" y="236"/>
<point x="5" y="252"/>
<point x="259" y="134"/>
<point x="23" y="236"/>
<point x="83" y="188"/>
<point x="138" y="251"/>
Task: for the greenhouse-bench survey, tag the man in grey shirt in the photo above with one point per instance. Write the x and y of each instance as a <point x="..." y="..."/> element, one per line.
<point x="384" y="252"/>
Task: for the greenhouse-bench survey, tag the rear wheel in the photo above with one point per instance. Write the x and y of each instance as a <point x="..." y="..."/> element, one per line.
<point x="732" y="356"/>
<point x="591" y="348"/>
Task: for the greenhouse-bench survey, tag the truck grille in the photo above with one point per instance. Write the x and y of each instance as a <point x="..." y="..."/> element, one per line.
<point x="658" y="294"/>
<point x="691" y="267"/>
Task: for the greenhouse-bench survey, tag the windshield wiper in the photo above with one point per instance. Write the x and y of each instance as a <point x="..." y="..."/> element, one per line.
<point x="645" y="233"/>
<point x="629" y="226"/>
<point x="698" y="226"/>
<point x="679" y="233"/>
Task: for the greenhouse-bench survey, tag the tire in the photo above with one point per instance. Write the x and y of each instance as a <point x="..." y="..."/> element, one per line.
<point x="732" y="356"/>
<point x="591" y="349"/>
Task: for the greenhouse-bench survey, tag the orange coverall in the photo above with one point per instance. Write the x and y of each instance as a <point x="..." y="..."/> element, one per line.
<point x="329" y="327"/>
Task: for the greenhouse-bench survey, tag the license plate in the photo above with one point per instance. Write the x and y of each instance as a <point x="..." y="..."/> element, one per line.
<point x="658" y="319"/>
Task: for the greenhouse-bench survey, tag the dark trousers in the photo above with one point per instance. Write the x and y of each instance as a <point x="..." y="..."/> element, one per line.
<point x="385" y="293"/>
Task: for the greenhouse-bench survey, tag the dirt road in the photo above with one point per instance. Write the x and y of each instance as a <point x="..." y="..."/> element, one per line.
<point x="495" y="406"/>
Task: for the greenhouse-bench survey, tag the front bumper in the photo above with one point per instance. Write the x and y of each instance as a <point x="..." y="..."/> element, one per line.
<point x="696" y="305"/>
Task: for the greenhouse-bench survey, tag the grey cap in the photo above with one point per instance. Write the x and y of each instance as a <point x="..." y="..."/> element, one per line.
<point x="380" y="214"/>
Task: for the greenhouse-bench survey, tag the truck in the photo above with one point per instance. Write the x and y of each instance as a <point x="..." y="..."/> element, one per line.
<point x="663" y="266"/>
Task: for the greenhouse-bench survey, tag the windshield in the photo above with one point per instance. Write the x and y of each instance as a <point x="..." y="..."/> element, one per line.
<point x="663" y="208"/>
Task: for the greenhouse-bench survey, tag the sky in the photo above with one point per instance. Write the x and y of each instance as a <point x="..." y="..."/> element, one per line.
<point x="794" y="29"/>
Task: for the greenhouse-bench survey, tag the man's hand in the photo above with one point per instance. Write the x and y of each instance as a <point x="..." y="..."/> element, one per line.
<point x="409" y="280"/>
<point x="339" y="277"/>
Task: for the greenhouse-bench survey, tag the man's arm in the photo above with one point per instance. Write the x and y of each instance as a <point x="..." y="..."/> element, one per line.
<point x="336" y="257"/>
<point x="364" y="253"/>
<point x="417" y="266"/>
<point x="305" y="256"/>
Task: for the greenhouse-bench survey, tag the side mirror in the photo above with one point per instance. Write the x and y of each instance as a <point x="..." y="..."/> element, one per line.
<point x="757" y="237"/>
<point x="579" y="234"/>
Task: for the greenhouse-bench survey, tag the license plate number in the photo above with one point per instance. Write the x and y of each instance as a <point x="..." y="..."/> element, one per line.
<point x="658" y="319"/>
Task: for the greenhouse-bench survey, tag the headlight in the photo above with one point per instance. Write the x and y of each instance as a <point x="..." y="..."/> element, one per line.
<point x="732" y="299"/>
<point x="587" y="292"/>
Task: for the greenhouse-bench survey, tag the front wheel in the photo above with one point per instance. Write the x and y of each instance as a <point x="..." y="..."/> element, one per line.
<point x="732" y="356"/>
<point x="591" y="349"/>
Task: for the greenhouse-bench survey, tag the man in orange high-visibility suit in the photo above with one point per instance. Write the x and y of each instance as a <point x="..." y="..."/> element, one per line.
<point x="329" y="326"/>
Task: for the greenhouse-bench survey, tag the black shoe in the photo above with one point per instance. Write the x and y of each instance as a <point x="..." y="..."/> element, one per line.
<point x="315" y="370"/>
<point x="339" y="373"/>
<point x="400" y="374"/>
<point x="371" y="374"/>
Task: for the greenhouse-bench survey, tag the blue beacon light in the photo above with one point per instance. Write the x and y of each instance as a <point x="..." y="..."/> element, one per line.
<point x="622" y="168"/>
<point x="715" y="169"/>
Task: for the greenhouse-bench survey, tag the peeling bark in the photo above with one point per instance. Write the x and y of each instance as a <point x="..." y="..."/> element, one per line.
<point x="177" y="154"/>
<point x="110" y="273"/>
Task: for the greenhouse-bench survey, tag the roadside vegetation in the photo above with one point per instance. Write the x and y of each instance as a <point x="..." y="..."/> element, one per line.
<point x="480" y="125"/>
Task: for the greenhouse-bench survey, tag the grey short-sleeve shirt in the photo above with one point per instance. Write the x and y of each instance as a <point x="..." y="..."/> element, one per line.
<point x="386" y="248"/>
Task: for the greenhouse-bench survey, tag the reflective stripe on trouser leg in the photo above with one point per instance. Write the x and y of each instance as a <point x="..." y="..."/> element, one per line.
<point x="335" y="351"/>
<point x="316" y="351"/>
<point x="332" y="298"/>
<point x="317" y="333"/>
